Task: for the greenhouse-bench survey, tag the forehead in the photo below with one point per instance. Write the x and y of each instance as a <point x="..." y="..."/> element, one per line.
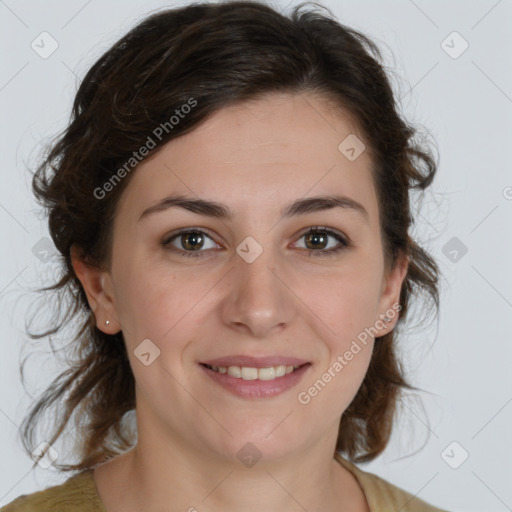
<point x="265" y="153"/>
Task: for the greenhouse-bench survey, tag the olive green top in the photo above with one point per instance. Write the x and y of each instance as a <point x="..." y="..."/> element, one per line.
<point x="78" y="494"/>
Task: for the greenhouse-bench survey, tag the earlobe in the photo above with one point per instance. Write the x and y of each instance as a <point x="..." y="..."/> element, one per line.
<point x="95" y="284"/>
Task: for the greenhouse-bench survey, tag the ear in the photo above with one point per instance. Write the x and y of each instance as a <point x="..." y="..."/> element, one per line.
<point x="97" y="285"/>
<point x="389" y="303"/>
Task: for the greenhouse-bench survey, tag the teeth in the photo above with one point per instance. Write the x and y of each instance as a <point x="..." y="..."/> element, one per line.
<point x="247" y="373"/>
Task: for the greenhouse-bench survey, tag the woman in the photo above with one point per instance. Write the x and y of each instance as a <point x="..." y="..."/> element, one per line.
<point x="231" y="201"/>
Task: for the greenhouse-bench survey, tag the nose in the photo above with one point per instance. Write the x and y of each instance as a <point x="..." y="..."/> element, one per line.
<point x="258" y="302"/>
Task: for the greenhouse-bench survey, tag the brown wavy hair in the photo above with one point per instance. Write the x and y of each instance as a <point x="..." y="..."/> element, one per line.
<point x="219" y="54"/>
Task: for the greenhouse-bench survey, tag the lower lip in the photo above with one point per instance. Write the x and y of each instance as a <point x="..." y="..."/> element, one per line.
<point x="257" y="388"/>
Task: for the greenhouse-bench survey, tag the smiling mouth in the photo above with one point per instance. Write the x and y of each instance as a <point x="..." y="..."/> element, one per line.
<point x="251" y="373"/>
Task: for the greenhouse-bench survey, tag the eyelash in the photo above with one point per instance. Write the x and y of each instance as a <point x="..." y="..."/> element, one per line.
<point x="344" y="243"/>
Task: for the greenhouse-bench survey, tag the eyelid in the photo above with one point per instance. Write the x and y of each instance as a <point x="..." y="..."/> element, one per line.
<point x="192" y="229"/>
<point x="343" y="241"/>
<point x="331" y="231"/>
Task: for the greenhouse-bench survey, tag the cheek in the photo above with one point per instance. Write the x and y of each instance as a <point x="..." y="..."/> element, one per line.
<point x="345" y="303"/>
<point x="150" y="301"/>
<point x="345" y="312"/>
<point x="330" y="390"/>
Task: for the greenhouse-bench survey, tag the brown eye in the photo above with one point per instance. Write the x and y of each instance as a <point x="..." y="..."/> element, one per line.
<point x="188" y="242"/>
<point x="192" y="241"/>
<point x="317" y="239"/>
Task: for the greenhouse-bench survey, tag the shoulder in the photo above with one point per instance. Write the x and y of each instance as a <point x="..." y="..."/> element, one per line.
<point x="382" y="495"/>
<point x="76" y="494"/>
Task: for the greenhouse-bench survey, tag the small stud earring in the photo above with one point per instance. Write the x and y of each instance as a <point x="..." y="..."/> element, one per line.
<point x="386" y="319"/>
<point x="107" y="322"/>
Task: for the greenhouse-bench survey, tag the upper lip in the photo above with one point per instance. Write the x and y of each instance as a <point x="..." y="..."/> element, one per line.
<point x="255" y="362"/>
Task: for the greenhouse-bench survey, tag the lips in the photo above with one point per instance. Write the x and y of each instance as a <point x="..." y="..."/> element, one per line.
<point x="255" y="362"/>
<point x="262" y="387"/>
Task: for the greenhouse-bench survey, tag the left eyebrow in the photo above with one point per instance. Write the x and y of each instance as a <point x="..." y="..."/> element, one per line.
<point x="220" y="211"/>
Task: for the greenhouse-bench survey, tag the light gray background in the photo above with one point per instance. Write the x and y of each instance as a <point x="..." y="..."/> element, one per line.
<point x="462" y="362"/>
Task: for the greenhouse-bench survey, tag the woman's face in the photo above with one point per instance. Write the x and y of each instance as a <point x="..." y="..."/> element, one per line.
<point x="254" y="284"/>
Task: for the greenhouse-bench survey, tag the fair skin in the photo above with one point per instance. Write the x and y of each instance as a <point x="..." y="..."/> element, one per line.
<point x="254" y="158"/>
